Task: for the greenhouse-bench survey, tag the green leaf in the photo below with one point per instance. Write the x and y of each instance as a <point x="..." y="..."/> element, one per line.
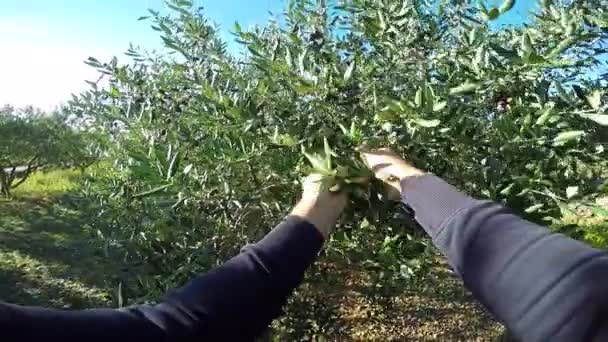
<point x="328" y="153"/>
<point x="114" y="92"/>
<point x="349" y="71"/>
<point x="418" y="99"/>
<point x="465" y="88"/>
<point x="601" y="119"/>
<point x="595" y="100"/>
<point x="567" y="136"/>
<point x="172" y="166"/>
<point x="561" y="47"/>
<point x="506" y="191"/>
<point x="571" y="191"/>
<point x="562" y="93"/>
<point x="526" y="43"/>
<point x="438" y="106"/>
<point x="599" y="212"/>
<point x="544" y="117"/>
<point x="506" y="6"/>
<point x="427" y="123"/>
<point x="344" y="130"/>
<point x="534" y="208"/>
<point x="151" y="192"/>
<point x="318" y="163"/>
<point x="353" y="129"/>
<point x="491" y="14"/>
<point x="188" y="168"/>
<point x="534" y="58"/>
<point x="473" y="35"/>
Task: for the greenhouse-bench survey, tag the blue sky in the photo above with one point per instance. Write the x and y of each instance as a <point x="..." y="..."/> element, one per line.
<point x="44" y="42"/>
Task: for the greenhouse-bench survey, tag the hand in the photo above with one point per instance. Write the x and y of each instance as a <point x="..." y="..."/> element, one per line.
<point x="318" y="205"/>
<point x="390" y="168"/>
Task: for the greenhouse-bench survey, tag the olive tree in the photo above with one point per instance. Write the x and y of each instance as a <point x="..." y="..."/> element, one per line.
<point x="212" y="145"/>
<point x="30" y="140"/>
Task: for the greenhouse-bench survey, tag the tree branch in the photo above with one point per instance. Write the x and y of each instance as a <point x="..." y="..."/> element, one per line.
<point x="30" y="167"/>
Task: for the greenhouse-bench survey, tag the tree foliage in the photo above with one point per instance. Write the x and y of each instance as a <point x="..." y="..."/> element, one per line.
<point x="31" y="139"/>
<point x="209" y="152"/>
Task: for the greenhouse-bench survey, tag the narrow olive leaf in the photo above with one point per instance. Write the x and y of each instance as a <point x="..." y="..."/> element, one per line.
<point x="506" y="6"/>
<point x="526" y="43"/>
<point x="562" y="93"/>
<point x="301" y="62"/>
<point x="343" y="129"/>
<point x="438" y="106"/>
<point x="480" y="56"/>
<point x="464" y="88"/>
<point x="418" y="99"/>
<point x="328" y="153"/>
<point x="534" y="58"/>
<point x="567" y="136"/>
<point x="427" y="123"/>
<point x="349" y="71"/>
<point x="544" y="117"/>
<point x="317" y="162"/>
<point x="534" y="208"/>
<point x="188" y="168"/>
<point x="152" y="191"/>
<point x="595" y="100"/>
<point x="561" y="47"/>
<point x="120" y="301"/>
<point x="506" y="191"/>
<point x="172" y="166"/>
<point x="597" y="21"/>
<point x="488" y="15"/>
<point x="601" y="119"/>
<point x="473" y="35"/>
<point x="571" y="191"/>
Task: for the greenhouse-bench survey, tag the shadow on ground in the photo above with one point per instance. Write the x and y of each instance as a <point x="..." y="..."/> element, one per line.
<point x="49" y="258"/>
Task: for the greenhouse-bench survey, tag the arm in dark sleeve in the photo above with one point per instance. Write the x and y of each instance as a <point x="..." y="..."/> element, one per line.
<point x="543" y="286"/>
<point x="236" y="301"/>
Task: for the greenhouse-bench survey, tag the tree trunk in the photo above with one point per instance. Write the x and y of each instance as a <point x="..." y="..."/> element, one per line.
<point x="5" y="188"/>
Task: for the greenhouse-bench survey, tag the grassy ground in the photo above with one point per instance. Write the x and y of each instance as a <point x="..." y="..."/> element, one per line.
<point x="46" y="256"/>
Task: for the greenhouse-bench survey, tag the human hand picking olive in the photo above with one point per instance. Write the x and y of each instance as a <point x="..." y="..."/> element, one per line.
<point x="389" y="167"/>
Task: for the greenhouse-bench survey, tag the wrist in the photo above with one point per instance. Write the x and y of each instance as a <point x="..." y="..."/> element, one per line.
<point x="322" y="212"/>
<point x="406" y="171"/>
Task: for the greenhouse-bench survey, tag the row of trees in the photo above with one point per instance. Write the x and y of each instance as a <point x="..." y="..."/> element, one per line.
<point x="31" y="139"/>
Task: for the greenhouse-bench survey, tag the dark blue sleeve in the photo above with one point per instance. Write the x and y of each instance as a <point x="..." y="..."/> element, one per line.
<point x="235" y="302"/>
<point x="542" y="286"/>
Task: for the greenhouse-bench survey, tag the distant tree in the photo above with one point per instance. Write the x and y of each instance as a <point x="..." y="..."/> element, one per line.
<point x="31" y="139"/>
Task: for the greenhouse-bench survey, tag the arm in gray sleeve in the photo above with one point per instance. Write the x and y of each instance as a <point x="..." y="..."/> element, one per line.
<point x="541" y="285"/>
<point x="234" y="302"/>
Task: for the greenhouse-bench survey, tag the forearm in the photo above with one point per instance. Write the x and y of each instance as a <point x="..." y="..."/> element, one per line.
<point x="543" y="286"/>
<point x="321" y="215"/>
<point x="250" y="289"/>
